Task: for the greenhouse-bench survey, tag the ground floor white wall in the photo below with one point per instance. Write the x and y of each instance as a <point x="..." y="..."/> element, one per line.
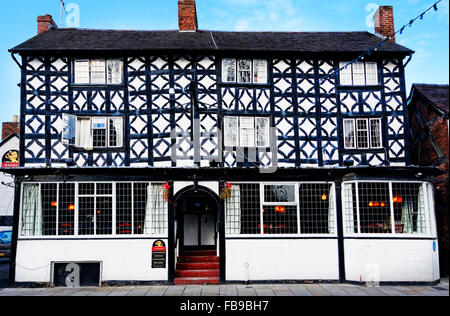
<point x="282" y="259"/>
<point x="123" y="259"/>
<point x="391" y="260"/>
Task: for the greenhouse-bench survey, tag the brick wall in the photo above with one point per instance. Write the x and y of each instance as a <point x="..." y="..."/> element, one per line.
<point x="384" y="21"/>
<point x="187" y="15"/>
<point x="9" y="128"/>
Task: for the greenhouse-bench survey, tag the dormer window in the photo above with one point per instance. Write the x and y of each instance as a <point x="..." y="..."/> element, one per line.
<point x="98" y="71"/>
<point x="359" y="74"/>
<point x="244" y="71"/>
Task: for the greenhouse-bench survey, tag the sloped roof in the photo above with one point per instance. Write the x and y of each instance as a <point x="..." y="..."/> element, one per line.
<point x="436" y="94"/>
<point x="123" y="40"/>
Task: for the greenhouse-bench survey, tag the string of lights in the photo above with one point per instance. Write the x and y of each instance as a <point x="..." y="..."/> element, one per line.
<point x="382" y="43"/>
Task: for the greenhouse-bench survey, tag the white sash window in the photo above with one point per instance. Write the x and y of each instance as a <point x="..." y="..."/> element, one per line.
<point x="246" y="131"/>
<point x="98" y="71"/>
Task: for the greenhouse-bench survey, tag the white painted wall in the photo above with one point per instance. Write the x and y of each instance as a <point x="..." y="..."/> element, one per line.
<point x="123" y="259"/>
<point x="282" y="259"/>
<point x="6" y="192"/>
<point x="391" y="260"/>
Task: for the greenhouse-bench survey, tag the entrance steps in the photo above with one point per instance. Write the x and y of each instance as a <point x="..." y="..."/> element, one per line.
<point x="197" y="268"/>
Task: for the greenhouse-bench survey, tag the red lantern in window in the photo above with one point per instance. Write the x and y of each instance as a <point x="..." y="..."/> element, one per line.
<point x="324" y="197"/>
<point x="54" y="204"/>
<point x="71" y="207"/>
<point x="371" y="204"/>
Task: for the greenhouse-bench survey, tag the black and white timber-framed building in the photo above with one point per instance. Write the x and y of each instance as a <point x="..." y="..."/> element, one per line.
<point x="137" y="142"/>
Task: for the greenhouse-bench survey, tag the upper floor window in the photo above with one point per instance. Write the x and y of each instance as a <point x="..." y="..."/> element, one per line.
<point x="246" y="131"/>
<point x="244" y="70"/>
<point x="98" y="71"/>
<point x="93" y="132"/>
<point x="359" y="74"/>
<point x="362" y="133"/>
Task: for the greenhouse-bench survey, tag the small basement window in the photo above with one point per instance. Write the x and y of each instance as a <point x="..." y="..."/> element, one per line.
<point x="98" y="71"/>
<point x="244" y="71"/>
<point x="93" y="132"/>
<point x="359" y="74"/>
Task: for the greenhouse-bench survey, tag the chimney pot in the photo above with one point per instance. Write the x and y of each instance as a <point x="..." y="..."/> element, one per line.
<point x="384" y="22"/>
<point x="45" y="23"/>
<point x="187" y="16"/>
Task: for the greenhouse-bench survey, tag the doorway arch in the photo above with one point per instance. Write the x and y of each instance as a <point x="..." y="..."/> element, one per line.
<point x="209" y="205"/>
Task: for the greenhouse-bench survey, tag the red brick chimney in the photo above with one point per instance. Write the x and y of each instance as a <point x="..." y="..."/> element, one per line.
<point x="187" y="16"/>
<point x="384" y="21"/>
<point x="9" y="128"/>
<point x="45" y="23"/>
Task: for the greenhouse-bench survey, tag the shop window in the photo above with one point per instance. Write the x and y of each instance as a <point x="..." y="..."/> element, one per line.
<point x="244" y="71"/>
<point x="93" y="132"/>
<point x="385" y="208"/>
<point x="50" y="209"/>
<point x="98" y="71"/>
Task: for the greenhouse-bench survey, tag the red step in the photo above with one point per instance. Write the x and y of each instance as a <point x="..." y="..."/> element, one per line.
<point x="198" y="266"/>
<point x="197" y="273"/>
<point x="199" y="253"/>
<point x="196" y="281"/>
<point x="198" y="259"/>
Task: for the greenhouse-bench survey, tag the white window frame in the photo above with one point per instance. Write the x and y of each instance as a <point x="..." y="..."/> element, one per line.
<point x="369" y="133"/>
<point x="91" y="118"/>
<point x="255" y="132"/>
<point x="76" y="234"/>
<point x="252" y="71"/>
<point x="354" y="134"/>
<point x="349" y="72"/>
<point x="89" y="75"/>
<point x="296" y="203"/>
<point x="428" y="205"/>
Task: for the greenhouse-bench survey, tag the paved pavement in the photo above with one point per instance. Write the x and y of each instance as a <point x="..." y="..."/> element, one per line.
<point x="239" y="290"/>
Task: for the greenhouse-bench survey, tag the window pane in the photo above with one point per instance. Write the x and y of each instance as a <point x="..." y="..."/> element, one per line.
<point x="345" y="74"/>
<point x="262" y="132"/>
<point x="66" y="209"/>
<point x="409" y="208"/>
<point x="375" y="133"/>
<point x="317" y="213"/>
<point x="279" y="193"/>
<point x="69" y="122"/>
<point x="140" y="192"/>
<point x="349" y="133"/>
<point x="115" y="132"/>
<point x="371" y="73"/>
<point x="244" y="71"/>
<point x="99" y="137"/>
<point x="49" y="208"/>
<point x="81" y="71"/>
<point x="358" y="74"/>
<point x="230" y="131"/>
<point x="243" y="212"/>
<point x="374" y="208"/>
<point x="124" y="219"/>
<point x="260" y="71"/>
<point x="86" y="215"/>
<point x="363" y="134"/>
<point x="351" y="211"/>
<point x="114" y="75"/>
<point x="229" y="70"/>
<point x="84" y="133"/>
<point x="156" y="211"/>
<point x="98" y="71"/>
<point x="104" y="189"/>
<point x="104" y="216"/>
<point x="281" y="219"/>
<point x="31" y="210"/>
<point x="86" y="188"/>
<point x="247" y="132"/>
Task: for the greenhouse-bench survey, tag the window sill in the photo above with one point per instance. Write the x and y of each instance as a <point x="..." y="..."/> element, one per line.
<point x="96" y="150"/>
<point x="97" y="85"/>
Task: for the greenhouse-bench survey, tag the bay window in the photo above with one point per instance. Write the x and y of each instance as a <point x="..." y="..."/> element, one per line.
<point x="93" y="209"/>
<point x="386" y="208"/>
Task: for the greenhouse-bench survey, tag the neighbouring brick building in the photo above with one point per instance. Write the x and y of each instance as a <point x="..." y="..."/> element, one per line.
<point x="428" y="115"/>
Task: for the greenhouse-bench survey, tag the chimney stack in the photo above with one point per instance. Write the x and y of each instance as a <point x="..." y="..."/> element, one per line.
<point x="384" y="22"/>
<point x="187" y="16"/>
<point x="9" y="128"/>
<point x="45" y="23"/>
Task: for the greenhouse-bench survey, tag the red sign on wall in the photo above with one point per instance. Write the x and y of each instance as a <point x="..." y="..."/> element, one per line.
<point x="10" y="159"/>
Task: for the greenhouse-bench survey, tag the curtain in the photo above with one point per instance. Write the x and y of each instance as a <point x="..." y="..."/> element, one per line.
<point x="349" y="209"/>
<point x="233" y="218"/>
<point x="31" y="211"/>
<point x="84" y="134"/>
<point x="407" y="216"/>
<point x="156" y="216"/>
<point x="421" y="222"/>
<point x="331" y="211"/>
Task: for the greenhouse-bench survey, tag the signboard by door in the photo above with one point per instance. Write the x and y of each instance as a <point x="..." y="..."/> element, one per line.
<point x="10" y="159"/>
<point x="76" y="274"/>
<point x="159" y="255"/>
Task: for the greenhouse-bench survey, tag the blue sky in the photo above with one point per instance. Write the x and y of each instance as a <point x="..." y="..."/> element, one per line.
<point x="429" y="38"/>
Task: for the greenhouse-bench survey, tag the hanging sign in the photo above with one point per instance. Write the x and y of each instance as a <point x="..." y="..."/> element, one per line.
<point x="159" y="255"/>
<point x="10" y="159"/>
